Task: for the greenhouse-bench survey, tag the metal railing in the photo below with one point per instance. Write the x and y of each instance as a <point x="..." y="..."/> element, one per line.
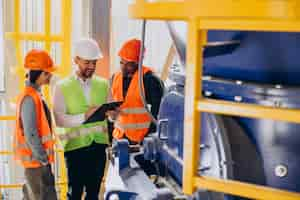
<point x="64" y="38"/>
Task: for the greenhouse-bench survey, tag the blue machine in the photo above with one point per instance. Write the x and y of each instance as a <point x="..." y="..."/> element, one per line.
<point x="252" y="67"/>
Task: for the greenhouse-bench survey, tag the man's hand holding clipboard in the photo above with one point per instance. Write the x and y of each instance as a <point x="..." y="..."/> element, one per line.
<point x="96" y="114"/>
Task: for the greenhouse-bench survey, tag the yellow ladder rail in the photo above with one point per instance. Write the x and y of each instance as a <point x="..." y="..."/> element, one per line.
<point x="16" y="186"/>
<point x="7" y="118"/>
<point x="203" y="15"/>
<point x="34" y="37"/>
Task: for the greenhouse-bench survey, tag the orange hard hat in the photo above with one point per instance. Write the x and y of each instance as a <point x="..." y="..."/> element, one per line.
<point x="39" y="60"/>
<point x="130" y="50"/>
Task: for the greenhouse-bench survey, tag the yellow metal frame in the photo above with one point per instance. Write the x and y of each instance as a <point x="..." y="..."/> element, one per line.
<point x="202" y="15"/>
<point x="64" y="38"/>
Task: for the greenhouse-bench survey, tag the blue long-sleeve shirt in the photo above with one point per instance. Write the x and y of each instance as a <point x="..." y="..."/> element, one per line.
<point x="29" y="121"/>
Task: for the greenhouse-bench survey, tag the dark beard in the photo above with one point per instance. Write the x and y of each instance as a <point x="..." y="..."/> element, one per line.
<point x="87" y="74"/>
<point x="127" y="73"/>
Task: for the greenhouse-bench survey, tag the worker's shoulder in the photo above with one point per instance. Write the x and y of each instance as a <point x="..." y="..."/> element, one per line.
<point x="65" y="81"/>
<point x="27" y="98"/>
<point x="100" y="80"/>
<point x="151" y="75"/>
<point x="148" y="71"/>
<point x="26" y="101"/>
<point x="152" y="81"/>
<point x="115" y="74"/>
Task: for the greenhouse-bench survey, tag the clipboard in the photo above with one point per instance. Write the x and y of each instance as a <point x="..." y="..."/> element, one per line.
<point x="99" y="114"/>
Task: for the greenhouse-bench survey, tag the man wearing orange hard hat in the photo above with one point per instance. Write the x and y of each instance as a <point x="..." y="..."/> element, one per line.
<point x="33" y="139"/>
<point x="133" y="122"/>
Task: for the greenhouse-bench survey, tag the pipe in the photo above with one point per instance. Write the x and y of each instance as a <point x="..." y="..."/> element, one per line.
<point x="140" y="73"/>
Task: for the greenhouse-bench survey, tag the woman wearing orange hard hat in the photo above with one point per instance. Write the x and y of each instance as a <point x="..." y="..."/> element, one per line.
<point x="33" y="139"/>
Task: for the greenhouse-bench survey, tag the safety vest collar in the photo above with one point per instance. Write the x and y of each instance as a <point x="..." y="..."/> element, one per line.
<point x="29" y="158"/>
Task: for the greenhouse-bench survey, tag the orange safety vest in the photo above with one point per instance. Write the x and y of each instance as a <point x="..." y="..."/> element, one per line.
<point x="134" y="121"/>
<point x="23" y="153"/>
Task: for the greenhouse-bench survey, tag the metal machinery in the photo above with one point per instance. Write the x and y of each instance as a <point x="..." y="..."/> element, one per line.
<point x="241" y="71"/>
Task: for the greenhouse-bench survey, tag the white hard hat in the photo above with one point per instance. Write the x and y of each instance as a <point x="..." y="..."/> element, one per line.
<point x="87" y="49"/>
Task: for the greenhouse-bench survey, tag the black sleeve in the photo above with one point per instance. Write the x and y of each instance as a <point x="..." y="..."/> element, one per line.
<point x="110" y="125"/>
<point x="154" y="90"/>
<point x="110" y="128"/>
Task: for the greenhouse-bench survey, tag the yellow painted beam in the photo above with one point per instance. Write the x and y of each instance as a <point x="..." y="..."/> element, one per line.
<point x="272" y="9"/>
<point x="19" y="57"/>
<point x="11" y="186"/>
<point x="159" y="10"/>
<point x="250" y="25"/>
<point x="192" y="117"/>
<point x="248" y="110"/>
<point x="244" y="189"/>
<point x="47" y="24"/>
<point x="190" y="9"/>
<point x="7" y="118"/>
<point x="33" y="37"/>
<point x="63" y="176"/>
<point x="66" y="28"/>
<point x="61" y="183"/>
<point x="18" y="186"/>
<point x="6" y="152"/>
<point x="226" y="14"/>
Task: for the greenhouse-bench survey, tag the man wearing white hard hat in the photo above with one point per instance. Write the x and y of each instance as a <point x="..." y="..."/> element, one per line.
<point x="76" y="98"/>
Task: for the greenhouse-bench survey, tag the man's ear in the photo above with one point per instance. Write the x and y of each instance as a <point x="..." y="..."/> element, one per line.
<point x="76" y="60"/>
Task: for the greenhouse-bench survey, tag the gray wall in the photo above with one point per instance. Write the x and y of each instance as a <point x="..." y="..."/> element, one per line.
<point x="100" y="31"/>
<point x="158" y="41"/>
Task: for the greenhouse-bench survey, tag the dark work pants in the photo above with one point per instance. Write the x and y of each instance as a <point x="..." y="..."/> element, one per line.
<point x="85" y="168"/>
<point x="39" y="184"/>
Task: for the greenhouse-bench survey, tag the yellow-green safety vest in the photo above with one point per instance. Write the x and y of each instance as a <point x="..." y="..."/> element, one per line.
<point x="76" y="103"/>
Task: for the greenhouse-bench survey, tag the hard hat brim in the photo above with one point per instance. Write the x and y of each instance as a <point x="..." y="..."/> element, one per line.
<point x="50" y="70"/>
<point x="100" y="56"/>
<point x="128" y="59"/>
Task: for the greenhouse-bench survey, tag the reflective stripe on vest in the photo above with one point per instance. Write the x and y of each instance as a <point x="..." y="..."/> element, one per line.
<point x="133" y="126"/>
<point x="29" y="158"/>
<point x="82" y="132"/>
<point x="134" y="111"/>
<point x="45" y="139"/>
